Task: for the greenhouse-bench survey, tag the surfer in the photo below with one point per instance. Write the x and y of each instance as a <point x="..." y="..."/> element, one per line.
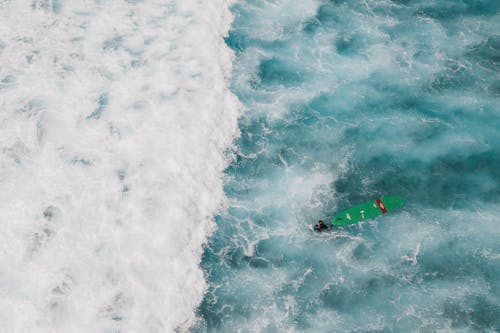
<point x="320" y="226"/>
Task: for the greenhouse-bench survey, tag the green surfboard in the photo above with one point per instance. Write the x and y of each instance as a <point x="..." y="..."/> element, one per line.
<point x="368" y="210"/>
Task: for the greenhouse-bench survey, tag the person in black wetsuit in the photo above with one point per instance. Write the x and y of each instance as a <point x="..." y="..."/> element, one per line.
<point x="320" y="226"/>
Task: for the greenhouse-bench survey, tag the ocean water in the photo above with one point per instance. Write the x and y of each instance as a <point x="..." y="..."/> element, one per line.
<point x="346" y="101"/>
<point x="115" y="118"/>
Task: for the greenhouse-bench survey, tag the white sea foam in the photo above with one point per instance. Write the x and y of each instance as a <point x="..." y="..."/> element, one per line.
<point x="114" y="121"/>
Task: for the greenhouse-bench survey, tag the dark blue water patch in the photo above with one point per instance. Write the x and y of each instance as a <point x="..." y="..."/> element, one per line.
<point x="432" y="132"/>
<point x="452" y="260"/>
<point x="350" y="102"/>
<point x="453" y="10"/>
<point x="487" y="53"/>
<point x="461" y="74"/>
<point x="340" y="298"/>
<point x="494" y="88"/>
<point x="326" y="17"/>
<point x="349" y="45"/>
<point x="454" y="76"/>
<point x="236" y="41"/>
<point x="362" y="252"/>
<point x="346" y="19"/>
<point x="335" y="104"/>
<point x="365" y="299"/>
<point x="474" y="312"/>
<point x="276" y="71"/>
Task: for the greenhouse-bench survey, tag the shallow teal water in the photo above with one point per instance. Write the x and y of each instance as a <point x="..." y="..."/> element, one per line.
<point x="346" y="101"/>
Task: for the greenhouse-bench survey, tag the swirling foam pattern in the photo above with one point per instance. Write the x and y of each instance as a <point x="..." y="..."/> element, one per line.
<point x="114" y="121"/>
<point x="347" y="101"/>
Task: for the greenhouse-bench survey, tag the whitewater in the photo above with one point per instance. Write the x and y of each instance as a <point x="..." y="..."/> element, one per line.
<point x="115" y="118"/>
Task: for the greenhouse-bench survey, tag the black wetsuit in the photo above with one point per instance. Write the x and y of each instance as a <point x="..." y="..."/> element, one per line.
<point x="320" y="227"/>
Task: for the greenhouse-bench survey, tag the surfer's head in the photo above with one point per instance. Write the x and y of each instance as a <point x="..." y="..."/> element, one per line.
<point x="320" y="225"/>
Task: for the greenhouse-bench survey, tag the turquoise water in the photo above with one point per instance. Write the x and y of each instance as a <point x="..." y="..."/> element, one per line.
<point x="346" y="101"/>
